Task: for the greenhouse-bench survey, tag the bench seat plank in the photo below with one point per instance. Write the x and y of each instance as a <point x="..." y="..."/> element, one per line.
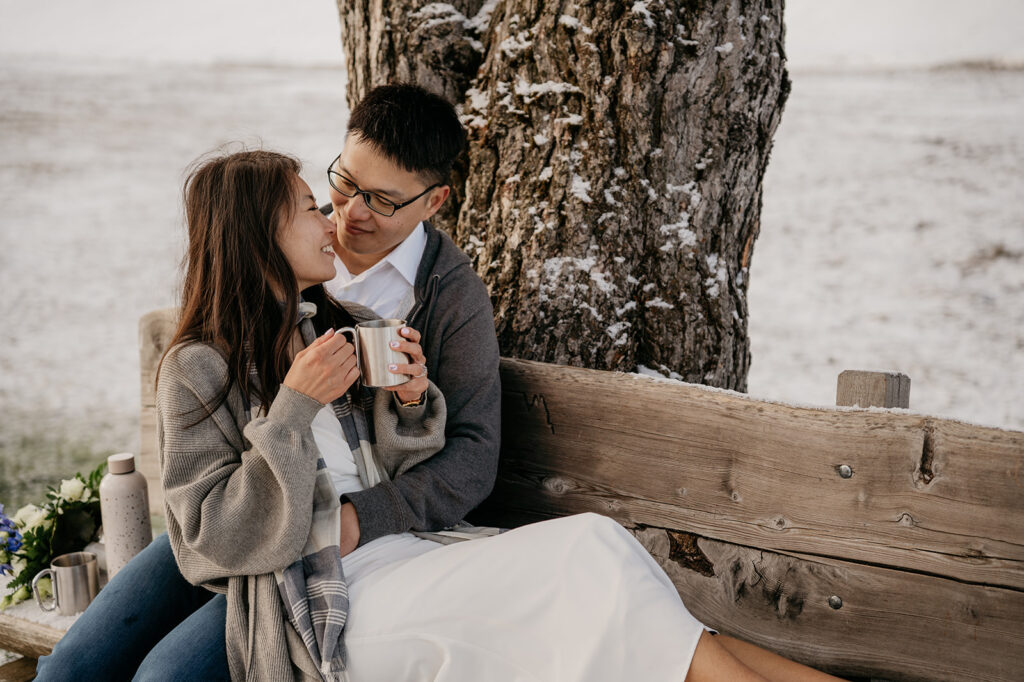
<point x="889" y="623"/>
<point x="27" y="637"/>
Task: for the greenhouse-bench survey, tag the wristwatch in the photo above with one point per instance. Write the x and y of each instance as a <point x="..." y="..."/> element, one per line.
<point x="412" y="403"/>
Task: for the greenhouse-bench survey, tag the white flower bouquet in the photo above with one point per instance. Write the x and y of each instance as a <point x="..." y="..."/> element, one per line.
<point x="67" y="522"/>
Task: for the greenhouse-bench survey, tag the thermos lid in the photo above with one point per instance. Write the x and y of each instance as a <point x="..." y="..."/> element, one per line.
<point x="121" y="463"/>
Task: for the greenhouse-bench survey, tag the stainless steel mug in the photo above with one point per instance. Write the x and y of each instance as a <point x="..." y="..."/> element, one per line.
<point x="76" y="581"/>
<point x="373" y="354"/>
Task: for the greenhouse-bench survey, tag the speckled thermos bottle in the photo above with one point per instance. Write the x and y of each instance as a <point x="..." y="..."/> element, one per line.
<point x="124" y="505"/>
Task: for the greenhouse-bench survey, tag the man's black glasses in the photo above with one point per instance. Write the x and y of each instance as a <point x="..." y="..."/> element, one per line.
<point x="375" y="203"/>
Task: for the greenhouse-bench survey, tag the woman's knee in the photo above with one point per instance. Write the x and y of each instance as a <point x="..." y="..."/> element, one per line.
<point x="195" y="650"/>
<point x="599" y="526"/>
<point x="183" y="664"/>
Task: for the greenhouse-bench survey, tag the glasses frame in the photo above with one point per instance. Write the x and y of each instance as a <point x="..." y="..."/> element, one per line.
<point x="366" y="194"/>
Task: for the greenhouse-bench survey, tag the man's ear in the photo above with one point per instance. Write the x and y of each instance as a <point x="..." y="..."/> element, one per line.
<point x="437" y="197"/>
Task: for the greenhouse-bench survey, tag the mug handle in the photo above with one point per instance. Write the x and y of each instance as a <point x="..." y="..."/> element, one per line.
<point x="355" y="342"/>
<point x="35" y="589"/>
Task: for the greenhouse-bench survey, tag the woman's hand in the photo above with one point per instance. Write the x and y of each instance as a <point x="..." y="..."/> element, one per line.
<point x="417" y="369"/>
<point x="325" y="369"/>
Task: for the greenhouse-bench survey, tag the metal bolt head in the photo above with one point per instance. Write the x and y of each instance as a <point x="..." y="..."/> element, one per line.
<point x="845" y="471"/>
<point x="835" y="602"/>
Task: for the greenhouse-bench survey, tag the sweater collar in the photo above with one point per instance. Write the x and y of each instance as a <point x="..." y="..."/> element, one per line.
<point x="307" y="309"/>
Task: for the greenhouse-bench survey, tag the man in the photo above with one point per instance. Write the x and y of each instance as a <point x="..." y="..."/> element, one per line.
<point x="388" y="180"/>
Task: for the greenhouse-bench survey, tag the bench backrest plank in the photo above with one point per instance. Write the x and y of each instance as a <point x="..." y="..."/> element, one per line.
<point x="925" y="494"/>
<point x="155" y="331"/>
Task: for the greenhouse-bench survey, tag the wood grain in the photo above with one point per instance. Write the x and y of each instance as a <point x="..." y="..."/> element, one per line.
<point x="20" y="670"/>
<point x="155" y="331"/>
<point x="873" y="389"/>
<point x="26" y="637"/>
<point x="926" y="494"/>
<point x="893" y="624"/>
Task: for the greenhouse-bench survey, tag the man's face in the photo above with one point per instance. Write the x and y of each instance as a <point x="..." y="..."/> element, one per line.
<point x="363" y="236"/>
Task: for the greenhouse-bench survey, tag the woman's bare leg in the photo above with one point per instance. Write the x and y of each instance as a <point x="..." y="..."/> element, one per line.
<point x="712" y="662"/>
<point x="771" y="666"/>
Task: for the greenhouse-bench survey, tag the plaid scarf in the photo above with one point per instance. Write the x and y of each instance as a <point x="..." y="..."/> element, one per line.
<point x="313" y="588"/>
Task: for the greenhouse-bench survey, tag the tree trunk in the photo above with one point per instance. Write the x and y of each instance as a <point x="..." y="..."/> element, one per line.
<point x="612" y="190"/>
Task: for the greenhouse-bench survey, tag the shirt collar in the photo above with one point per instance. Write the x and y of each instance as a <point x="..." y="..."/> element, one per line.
<point x="406" y="256"/>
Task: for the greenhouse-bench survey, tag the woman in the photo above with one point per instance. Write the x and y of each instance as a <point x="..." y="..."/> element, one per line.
<point x="244" y="385"/>
<point x="245" y="403"/>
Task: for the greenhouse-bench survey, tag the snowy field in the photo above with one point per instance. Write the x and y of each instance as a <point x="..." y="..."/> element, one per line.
<point x="892" y="235"/>
<point x="92" y="159"/>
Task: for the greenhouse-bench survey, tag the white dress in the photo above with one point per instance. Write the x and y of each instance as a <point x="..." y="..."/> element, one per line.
<point x="575" y="599"/>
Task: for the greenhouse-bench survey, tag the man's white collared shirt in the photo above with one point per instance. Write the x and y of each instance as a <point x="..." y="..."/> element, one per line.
<point x="387" y="288"/>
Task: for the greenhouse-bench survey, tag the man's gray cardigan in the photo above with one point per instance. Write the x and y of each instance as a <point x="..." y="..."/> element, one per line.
<point x="454" y="316"/>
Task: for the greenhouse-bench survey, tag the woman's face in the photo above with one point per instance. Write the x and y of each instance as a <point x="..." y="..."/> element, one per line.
<point x="307" y="239"/>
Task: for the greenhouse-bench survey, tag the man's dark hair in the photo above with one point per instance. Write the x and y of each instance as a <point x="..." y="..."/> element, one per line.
<point x="414" y="128"/>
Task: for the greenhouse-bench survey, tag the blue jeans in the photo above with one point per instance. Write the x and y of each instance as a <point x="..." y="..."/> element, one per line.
<point x="148" y="623"/>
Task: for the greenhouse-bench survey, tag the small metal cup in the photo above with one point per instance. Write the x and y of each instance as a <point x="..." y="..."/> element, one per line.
<point x="76" y="582"/>
<point x="373" y="354"/>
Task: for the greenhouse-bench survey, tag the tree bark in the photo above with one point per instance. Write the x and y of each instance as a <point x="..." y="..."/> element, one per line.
<point x="611" y="194"/>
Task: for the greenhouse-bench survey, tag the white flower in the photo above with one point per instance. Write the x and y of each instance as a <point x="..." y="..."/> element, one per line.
<point x="18" y="565"/>
<point x="45" y="588"/>
<point x="29" y="517"/>
<point x="71" y="489"/>
<point x="20" y="595"/>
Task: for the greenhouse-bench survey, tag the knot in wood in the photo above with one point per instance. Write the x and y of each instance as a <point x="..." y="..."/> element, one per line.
<point x="557" y="484"/>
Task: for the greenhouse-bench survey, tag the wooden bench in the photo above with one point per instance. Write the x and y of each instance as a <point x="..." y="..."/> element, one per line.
<point x="870" y="543"/>
<point x="867" y="543"/>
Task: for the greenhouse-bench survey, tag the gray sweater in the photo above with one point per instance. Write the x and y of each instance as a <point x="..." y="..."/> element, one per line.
<point x="238" y="495"/>
<point x="453" y="313"/>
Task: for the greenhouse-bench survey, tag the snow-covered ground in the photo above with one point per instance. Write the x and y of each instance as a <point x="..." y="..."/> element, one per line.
<point x="892" y="237"/>
<point x="92" y="159"/>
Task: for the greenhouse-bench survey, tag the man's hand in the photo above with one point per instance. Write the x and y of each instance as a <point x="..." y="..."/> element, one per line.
<point x="349" y="529"/>
<point x="417" y="369"/>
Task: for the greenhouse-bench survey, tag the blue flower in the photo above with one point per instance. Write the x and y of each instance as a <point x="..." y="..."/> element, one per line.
<point x="6" y="568"/>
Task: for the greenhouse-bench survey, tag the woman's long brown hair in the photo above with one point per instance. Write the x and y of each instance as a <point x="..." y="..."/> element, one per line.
<point x="234" y="207"/>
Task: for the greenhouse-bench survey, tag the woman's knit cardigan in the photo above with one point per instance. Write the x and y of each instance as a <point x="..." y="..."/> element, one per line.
<point x="238" y="495"/>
